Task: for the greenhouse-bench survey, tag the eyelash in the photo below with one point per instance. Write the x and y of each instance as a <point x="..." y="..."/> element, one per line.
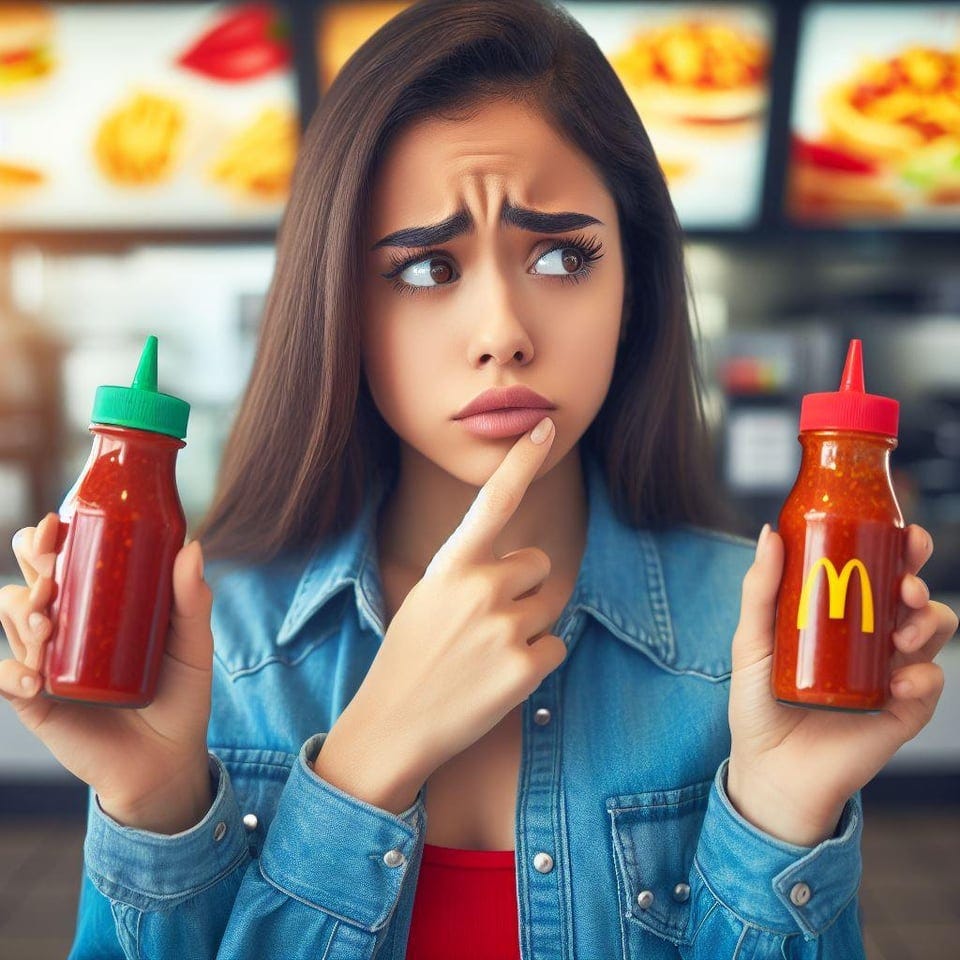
<point x="589" y="248"/>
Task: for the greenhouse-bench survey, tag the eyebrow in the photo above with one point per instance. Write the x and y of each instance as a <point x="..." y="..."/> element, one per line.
<point x="461" y="222"/>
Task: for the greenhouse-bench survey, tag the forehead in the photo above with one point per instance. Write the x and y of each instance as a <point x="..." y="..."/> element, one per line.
<point x="505" y="150"/>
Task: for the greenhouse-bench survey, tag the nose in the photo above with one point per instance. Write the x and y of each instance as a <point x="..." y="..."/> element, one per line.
<point x="498" y="334"/>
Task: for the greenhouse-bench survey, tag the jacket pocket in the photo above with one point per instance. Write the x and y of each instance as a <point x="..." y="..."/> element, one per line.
<point x="655" y="838"/>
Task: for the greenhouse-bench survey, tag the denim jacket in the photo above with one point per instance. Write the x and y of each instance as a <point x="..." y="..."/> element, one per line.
<point x="627" y="845"/>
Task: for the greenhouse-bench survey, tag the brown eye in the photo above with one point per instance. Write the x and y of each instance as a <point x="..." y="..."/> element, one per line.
<point x="440" y="271"/>
<point x="572" y="259"/>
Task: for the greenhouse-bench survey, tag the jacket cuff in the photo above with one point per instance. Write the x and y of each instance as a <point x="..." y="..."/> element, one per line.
<point x="152" y="870"/>
<point x="337" y="852"/>
<point x="770" y="882"/>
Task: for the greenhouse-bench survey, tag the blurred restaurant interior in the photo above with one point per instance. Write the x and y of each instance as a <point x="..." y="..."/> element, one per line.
<point x="812" y="150"/>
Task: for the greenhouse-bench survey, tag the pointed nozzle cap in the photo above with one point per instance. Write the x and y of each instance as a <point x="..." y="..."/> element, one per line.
<point x="852" y="378"/>
<point x="850" y="407"/>
<point x="141" y="406"/>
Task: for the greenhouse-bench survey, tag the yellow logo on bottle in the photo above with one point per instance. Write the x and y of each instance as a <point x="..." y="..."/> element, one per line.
<point x="837" y="585"/>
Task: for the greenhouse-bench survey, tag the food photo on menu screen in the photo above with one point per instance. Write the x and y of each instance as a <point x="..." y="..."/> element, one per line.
<point x="698" y="74"/>
<point x="172" y="115"/>
<point x="875" y="129"/>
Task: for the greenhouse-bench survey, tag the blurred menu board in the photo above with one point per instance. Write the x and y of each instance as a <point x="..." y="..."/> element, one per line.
<point x="876" y="116"/>
<point x="697" y="74"/>
<point x="145" y="116"/>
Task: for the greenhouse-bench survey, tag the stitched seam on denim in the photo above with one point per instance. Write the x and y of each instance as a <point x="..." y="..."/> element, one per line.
<point x="703" y="919"/>
<point x="703" y="786"/>
<point x="658" y="597"/>
<point x="333" y="933"/>
<point x="316" y="906"/>
<point x="235" y="675"/>
<point x="753" y="923"/>
<point x="251" y="763"/>
<point x="818" y="932"/>
<point x="521" y="856"/>
<point x="119" y="910"/>
<point x="166" y="898"/>
<point x="743" y="933"/>
<point x="566" y="929"/>
<point x="622" y="895"/>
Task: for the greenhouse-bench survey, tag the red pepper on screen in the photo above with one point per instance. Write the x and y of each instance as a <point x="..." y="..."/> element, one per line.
<point x="247" y="42"/>
<point x="832" y="158"/>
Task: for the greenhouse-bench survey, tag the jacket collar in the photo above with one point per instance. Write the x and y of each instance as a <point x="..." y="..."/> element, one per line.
<point x="620" y="582"/>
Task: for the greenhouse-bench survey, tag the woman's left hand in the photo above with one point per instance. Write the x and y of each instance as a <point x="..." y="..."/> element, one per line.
<point x="792" y="769"/>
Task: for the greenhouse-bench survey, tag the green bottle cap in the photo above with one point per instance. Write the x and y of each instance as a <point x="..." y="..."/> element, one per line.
<point x="140" y="405"/>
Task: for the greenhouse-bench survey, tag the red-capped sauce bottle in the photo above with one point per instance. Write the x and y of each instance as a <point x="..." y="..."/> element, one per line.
<point x="121" y="526"/>
<point x="843" y="538"/>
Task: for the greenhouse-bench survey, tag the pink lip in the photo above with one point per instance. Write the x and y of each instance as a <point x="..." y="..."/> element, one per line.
<point x="504" y="398"/>
<point x="497" y="424"/>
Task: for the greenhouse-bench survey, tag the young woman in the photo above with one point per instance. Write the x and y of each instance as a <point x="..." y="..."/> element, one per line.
<point x="455" y="687"/>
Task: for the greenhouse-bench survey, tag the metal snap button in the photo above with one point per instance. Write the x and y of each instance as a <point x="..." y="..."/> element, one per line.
<point x="219" y="830"/>
<point x="393" y="858"/>
<point x="541" y="717"/>
<point x="543" y="862"/>
<point x="681" y="892"/>
<point x="250" y="821"/>
<point x="645" y="899"/>
<point x="799" y="894"/>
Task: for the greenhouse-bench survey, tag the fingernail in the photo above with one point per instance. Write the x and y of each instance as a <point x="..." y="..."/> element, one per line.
<point x="28" y="683"/>
<point x="35" y="621"/>
<point x="901" y="687"/>
<point x="542" y="430"/>
<point x="17" y="537"/>
<point x="762" y="539"/>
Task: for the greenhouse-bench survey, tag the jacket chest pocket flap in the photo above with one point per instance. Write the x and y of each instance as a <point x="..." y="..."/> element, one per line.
<point x="258" y="778"/>
<point x="655" y="838"/>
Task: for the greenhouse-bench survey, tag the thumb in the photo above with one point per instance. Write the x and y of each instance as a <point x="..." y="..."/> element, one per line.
<point x="190" y="639"/>
<point x="753" y="639"/>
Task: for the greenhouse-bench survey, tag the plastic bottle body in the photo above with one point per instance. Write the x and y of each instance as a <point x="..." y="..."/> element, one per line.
<point x="837" y="606"/>
<point x="121" y="527"/>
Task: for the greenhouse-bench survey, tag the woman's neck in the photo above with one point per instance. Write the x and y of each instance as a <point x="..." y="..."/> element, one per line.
<point x="427" y="504"/>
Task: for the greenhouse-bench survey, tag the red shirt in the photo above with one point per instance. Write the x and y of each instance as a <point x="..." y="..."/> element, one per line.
<point x="465" y="906"/>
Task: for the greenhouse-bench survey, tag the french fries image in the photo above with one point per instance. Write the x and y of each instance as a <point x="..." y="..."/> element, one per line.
<point x="16" y="179"/>
<point x="257" y="162"/>
<point x="138" y="143"/>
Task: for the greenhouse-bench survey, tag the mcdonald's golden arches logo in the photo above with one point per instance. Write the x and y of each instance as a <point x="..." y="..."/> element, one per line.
<point x="837" y="585"/>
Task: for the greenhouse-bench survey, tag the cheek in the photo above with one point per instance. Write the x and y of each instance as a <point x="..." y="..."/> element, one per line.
<point x="397" y="364"/>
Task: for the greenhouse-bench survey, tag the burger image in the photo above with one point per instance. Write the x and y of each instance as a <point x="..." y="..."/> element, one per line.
<point x="26" y="45"/>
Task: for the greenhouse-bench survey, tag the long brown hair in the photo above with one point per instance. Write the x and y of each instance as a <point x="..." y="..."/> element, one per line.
<point x="307" y="441"/>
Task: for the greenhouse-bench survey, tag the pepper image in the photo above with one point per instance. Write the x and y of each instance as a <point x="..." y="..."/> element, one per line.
<point x="248" y="42"/>
<point x="121" y="527"/>
<point x="843" y="533"/>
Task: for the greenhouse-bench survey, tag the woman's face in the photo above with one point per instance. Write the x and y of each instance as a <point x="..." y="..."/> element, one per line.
<point x="493" y="305"/>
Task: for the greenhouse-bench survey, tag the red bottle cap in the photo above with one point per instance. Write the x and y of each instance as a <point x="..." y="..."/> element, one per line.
<point x="850" y="408"/>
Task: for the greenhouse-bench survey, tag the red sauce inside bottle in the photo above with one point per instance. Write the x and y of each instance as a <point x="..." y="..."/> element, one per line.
<point x="121" y="527"/>
<point x="837" y="606"/>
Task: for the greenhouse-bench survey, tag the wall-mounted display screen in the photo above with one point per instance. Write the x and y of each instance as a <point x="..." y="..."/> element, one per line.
<point x="698" y="75"/>
<point x="875" y="127"/>
<point x="145" y="116"/>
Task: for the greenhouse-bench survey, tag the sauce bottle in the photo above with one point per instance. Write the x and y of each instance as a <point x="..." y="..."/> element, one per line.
<point x="843" y="536"/>
<point x="121" y="526"/>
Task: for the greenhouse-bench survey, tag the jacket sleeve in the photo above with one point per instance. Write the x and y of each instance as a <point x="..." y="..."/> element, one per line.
<point x="753" y="894"/>
<point x="327" y="882"/>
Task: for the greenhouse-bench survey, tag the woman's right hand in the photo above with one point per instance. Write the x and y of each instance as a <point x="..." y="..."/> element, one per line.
<point x="147" y="765"/>
<point x="468" y="643"/>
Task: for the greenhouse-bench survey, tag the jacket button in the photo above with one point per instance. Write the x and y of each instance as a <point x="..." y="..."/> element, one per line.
<point x="799" y="894"/>
<point x="542" y="716"/>
<point x="543" y="862"/>
<point x="681" y="892"/>
<point x="645" y="899"/>
<point x="219" y="830"/>
<point x="250" y="821"/>
<point x="393" y="858"/>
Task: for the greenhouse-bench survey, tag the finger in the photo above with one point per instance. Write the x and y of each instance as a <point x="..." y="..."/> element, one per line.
<point x="914" y="592"/>
<point x="190" y="640"/>
<point x="33" y="622"/>
<point x="12" y="676"/>
<point x="524" y="571"/>
<point x="918" y="548"/>
<point x="496" y="502"/>
<point x="920" y="682"/>
<point x="753" y="638"/>
<point x="30" y="546"/>
<point x="923" y="634"/>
